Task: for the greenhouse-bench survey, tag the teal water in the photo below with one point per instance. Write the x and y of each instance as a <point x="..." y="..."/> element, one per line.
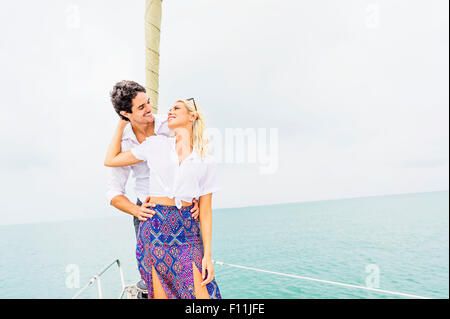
<point x="406" y="237"/>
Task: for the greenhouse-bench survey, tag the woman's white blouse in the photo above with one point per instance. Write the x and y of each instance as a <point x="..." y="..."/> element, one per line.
<point x="196" y="176"/>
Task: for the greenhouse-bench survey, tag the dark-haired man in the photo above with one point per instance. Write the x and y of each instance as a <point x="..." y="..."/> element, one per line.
<point x="132" y="104"/>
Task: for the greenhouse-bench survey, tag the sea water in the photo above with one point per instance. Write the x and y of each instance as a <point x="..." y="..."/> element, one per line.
<point x="397" y="243"/>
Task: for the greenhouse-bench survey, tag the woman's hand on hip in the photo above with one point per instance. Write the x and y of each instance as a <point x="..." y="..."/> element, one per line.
<point x="195" y="210"/>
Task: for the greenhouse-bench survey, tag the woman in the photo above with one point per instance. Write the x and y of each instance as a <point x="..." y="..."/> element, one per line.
<point x="170" y="250"/>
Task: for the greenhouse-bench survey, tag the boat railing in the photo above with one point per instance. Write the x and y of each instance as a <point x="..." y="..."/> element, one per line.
<point x="133" y="290"/>
<point x="97" y="278"/>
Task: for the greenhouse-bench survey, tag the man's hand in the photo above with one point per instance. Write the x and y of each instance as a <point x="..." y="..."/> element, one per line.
<point x="142" y="212"/>
<point x="195" y="210"/>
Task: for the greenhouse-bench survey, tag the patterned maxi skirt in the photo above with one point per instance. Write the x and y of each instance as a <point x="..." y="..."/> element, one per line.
<point x="170" y="241"/>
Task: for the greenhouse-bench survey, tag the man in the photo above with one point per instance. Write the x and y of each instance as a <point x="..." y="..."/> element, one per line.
<point x="132" y="104"/>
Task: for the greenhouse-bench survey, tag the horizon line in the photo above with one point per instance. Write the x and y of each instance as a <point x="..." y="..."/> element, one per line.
<point x="332" y="199"/>
<point x="234" y="207"/>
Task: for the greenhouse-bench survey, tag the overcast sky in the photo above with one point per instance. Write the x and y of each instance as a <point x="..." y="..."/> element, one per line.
<point x="357" y="92"/>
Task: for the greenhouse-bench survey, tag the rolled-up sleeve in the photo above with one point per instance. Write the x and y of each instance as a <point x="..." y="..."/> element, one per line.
<point x="209" y="182"/>
<point x="117" y="180"/>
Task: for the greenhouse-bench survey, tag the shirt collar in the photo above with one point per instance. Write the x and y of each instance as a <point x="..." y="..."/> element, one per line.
<point x="193" y="156"/>
<point x="128" y="134"/>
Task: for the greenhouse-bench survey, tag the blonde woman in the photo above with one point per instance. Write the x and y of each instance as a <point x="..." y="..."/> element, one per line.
<point x="173" y="249"/>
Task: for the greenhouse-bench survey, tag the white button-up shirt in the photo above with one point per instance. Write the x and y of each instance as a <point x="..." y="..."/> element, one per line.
<point x="118" y="176"/>
<point x="196" y="176"/>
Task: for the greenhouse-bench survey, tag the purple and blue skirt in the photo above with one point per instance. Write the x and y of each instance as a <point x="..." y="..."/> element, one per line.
<point x="170" y="242"/>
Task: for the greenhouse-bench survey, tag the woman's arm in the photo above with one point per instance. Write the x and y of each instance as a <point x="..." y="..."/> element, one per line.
<point x="206" y="230"/>
<point x="114" y="157"/>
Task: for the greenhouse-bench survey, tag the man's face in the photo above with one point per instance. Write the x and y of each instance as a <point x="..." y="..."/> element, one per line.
<point x="141" y="111"/>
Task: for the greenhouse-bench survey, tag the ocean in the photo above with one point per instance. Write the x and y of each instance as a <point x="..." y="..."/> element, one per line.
<point x="398" y="243"/>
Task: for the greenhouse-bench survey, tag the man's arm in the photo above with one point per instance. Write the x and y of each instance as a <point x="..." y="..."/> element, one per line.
<point x="117" y="180"/>
<point x="141" y="212"/>
<point x="114" y="155"/>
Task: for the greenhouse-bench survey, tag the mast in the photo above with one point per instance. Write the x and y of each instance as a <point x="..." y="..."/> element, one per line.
<point x="153" y="9"/>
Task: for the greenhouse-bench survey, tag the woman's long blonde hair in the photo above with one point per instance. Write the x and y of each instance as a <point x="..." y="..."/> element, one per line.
<point x="198" y="138"/>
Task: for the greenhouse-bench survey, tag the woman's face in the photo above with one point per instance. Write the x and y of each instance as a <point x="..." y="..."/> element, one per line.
<point x="179" y="116"/>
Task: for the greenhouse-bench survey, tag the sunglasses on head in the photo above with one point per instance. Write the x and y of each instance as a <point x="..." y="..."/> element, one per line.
<point x="193" y="100"/>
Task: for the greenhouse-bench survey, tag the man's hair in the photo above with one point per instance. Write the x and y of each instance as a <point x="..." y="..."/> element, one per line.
<point x="122" y="96"/>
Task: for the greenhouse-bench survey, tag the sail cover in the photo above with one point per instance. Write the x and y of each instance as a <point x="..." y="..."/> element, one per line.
<point x="153" y="10"/>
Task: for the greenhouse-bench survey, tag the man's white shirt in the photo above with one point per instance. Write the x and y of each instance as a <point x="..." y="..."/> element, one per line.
<point x="118" y="176"/>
